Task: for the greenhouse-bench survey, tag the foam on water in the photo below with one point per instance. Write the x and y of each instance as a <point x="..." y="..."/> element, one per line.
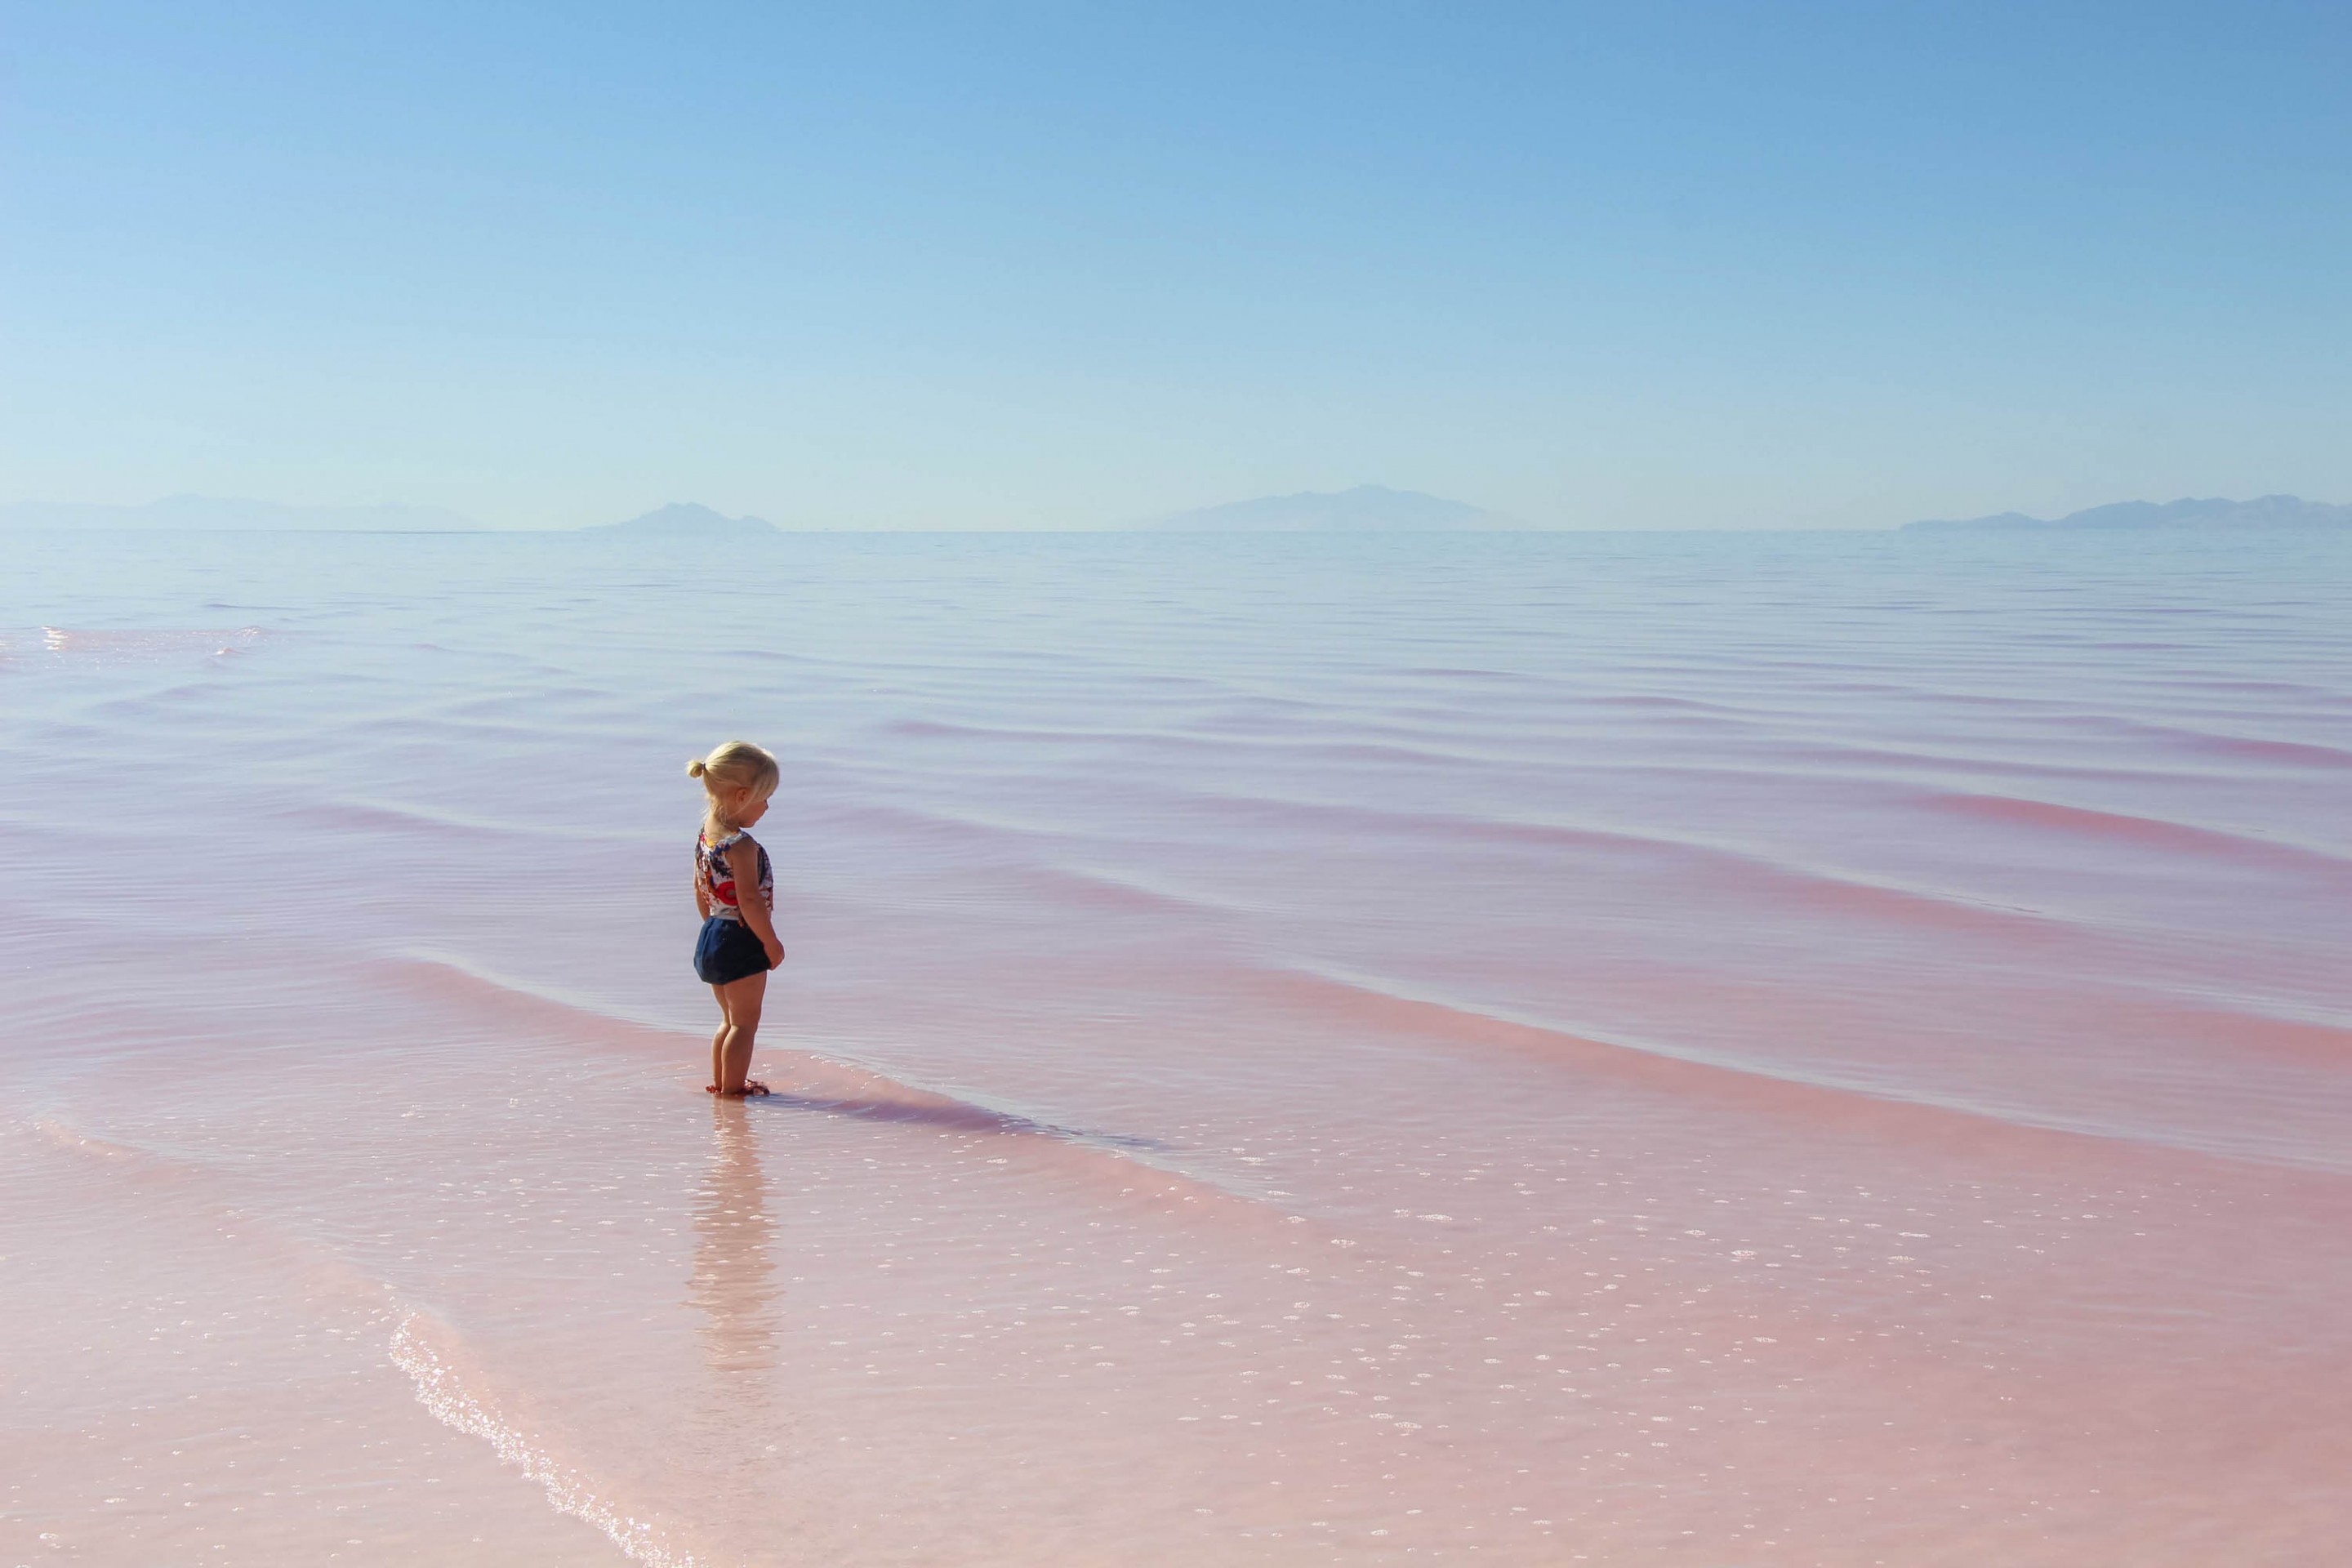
<point x="441" y="1391"/>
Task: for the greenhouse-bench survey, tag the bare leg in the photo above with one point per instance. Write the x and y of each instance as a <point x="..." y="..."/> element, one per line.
<point x="741" y="1000"/>
<point x="718" y="1042"/>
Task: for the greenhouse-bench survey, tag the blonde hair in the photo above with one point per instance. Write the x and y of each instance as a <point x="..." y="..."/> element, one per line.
<point x="738" y="764"/>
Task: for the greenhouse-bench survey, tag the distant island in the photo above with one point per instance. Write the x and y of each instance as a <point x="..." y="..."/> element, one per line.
<point x="196" y="513"/>
<point x="1367" y="508"/>
<point x="686" y="520"/>
<point x="2264" y="512"/>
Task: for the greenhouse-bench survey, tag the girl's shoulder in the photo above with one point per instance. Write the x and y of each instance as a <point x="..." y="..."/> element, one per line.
<point x="717" y="845"/>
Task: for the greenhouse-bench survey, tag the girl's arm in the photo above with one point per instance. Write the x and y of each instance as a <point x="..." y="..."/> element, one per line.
<point x="743" y="863"/>
<point x="701" y="893"/>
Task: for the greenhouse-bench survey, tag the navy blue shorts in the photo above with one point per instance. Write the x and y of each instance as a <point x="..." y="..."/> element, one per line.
<point x="728" y="951"/>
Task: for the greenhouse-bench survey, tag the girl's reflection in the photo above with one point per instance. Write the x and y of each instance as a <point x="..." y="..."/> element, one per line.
<point x="734" y="1268"/>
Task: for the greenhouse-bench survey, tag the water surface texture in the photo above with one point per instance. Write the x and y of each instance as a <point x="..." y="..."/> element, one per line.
<point x="1682" y="1050"/>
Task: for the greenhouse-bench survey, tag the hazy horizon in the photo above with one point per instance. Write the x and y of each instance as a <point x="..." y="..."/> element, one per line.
<point x="1364" y="510"/>
<point x="1828" y="267"/>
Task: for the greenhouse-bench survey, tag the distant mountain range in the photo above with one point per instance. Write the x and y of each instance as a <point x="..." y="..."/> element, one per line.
<point x="686" y="520"/>
<point x="1367" y="508"/>
<point x="200" y="512"/>
<point x="2264" y="512"/>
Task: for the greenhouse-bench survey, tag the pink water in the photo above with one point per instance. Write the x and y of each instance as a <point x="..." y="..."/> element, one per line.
<point x="1744" y="1050"/>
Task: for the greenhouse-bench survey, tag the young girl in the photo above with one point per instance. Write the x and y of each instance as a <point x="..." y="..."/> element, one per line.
<point x="732" y="890"/>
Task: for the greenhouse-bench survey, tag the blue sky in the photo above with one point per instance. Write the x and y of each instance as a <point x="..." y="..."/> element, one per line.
<point x="1670" y="265"/>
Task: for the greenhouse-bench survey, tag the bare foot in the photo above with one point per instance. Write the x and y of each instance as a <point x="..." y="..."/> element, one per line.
<point x="754" y="1087"/>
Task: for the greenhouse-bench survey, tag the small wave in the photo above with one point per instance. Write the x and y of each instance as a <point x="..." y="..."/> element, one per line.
<point x="1815" y="1096"/>
<point x="811" y="1080"/>
<point x="1494" y="677"/>
<point x="2250" y="687"/>
<point x="1882" y="899"/>
<point x="401" y="817"/>
<point x="174" y="1183"/>
<point x="1122" y="890"/>
<point x="1653" y="703"/>
<point x="1422" y="751"/>
<point x="939" y="729"/>
<point x="960" y="826"/>
<point x="452" y="976"/>
<point x="105" y="646"/>
<point x="2150" y="832"/>
<point x="2224" y="746"/>
<point x="2252" y="749"/>
<point x="59" y="1135"/>
<point x="444" y="1394"/>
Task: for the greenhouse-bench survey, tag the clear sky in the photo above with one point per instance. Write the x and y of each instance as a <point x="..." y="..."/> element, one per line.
<point x="868" y="265"/>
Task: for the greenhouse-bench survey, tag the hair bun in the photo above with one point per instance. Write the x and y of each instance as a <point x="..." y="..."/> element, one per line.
<point x="693" y="770"/>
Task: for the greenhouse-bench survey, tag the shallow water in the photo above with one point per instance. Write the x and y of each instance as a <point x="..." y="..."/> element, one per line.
<point x="1684" y="1050"/>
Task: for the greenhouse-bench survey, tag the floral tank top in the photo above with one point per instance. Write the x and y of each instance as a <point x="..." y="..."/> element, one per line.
<point x="711" y="865"/>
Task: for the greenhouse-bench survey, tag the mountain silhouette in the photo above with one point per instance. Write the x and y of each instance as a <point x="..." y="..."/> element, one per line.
<point x="2264" y="512"/>
<point x="686" y="520"/>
